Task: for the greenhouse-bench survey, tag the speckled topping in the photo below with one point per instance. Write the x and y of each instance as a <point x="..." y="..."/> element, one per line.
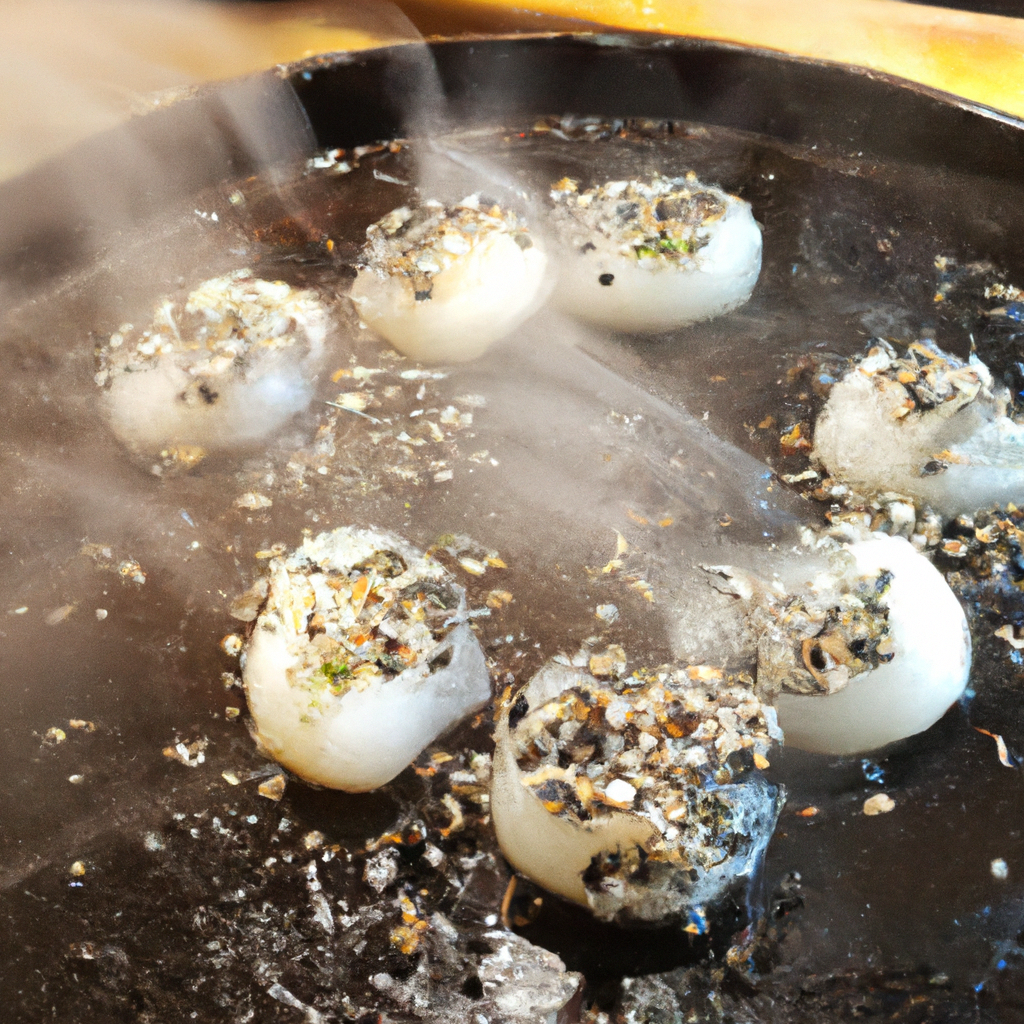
<point x="362" y="608"/>
<point x="661" y="221"/>
<point x="224" y="323"/>
<point x="925" y="379"/>
<point x="423" y="242"/>
<point x="817" y="641"/>
<point x="650" y="744"/>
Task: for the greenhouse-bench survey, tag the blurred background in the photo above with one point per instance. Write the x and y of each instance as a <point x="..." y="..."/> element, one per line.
<point x="71" y="68"/>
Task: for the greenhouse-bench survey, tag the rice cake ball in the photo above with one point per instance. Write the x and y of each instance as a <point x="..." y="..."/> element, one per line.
<point x="443" y="283"/>
<point x="653" y="255"/>
<point x="360" y="655"/>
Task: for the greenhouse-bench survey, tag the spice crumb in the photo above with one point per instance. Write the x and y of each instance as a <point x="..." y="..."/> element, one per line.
<point x="880" y="803"/>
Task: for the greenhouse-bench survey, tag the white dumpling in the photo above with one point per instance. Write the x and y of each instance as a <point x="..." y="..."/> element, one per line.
<point x="227" y="367"/>
<point x="653" y="256"/>
<point x="360" y="655"/>
<point x="638" y="800"/>
<point x="874" y="649"/>
<point x="442" y="284"/>
<point x="927" y="426"/>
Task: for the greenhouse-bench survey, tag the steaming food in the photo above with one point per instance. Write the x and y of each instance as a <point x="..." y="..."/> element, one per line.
<point x="652" y="256"/>
<point x="361" y="654"/>
<point x="925" y="425"/>
<point x="443" y="283"/>
<point x="638" y="799"/>
<point x="874" y="649"/>
<point x="227" y="367"/>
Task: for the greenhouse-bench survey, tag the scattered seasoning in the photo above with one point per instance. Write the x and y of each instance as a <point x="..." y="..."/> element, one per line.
<point x="880" y="803"/>
<point x="1004" y="755"/>
<point x="77" y="869"/>
<point x="221" y="325"/>
<point x="273" y="788"/>
<point x="420" y="243"/>
<point x="1007" y="633"/>
<point x="231" y="645"/>
<point x="192" y="755"/>
<point x="58" y="615"/>
<point x="252" y="500"/>
<point x="663" y="221"/>
<point x="816" y="641"/>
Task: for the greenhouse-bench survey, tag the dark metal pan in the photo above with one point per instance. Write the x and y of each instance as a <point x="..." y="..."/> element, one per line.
<point x="136" y="886"/>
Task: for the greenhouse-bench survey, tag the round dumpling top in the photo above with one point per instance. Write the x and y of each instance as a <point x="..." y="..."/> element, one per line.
<point x="226" y="366"/>
<point x="360" y="655"/>
<point x="653" y="255"/>
<point x="443" y="283"/>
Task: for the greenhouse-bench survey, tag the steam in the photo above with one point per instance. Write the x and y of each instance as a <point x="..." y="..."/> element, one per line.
<point x="70" y="70"/>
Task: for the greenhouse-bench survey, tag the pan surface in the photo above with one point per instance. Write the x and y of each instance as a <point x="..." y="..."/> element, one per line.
<point x="144" y="876"/>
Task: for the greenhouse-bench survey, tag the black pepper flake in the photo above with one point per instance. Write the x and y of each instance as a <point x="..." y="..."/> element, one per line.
<point x="606" y="279"/>
<point x="587" y="247"/>
<point x="518" y="711"/>
<point x="423" y="295"/>
<point x="934" y="467"/>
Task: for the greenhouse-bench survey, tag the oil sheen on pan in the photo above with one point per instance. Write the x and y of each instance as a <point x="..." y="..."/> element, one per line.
<point x="704" y="703"/>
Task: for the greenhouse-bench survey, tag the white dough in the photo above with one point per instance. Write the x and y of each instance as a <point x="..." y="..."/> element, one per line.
<point x="227" y="367"/>
<point x="958" y="453"/>
<point x="616" y="267"/>
<point x="553" y="851"/>
<point x="442" y="284"/>
<point x="928" y="672"/>
<point x="362" y="737"/>
<point x="666" y="846"/>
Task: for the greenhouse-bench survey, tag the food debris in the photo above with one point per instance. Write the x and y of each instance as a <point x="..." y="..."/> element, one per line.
<point x="999" y="869"/>
<point x="880" y="803"/>
<point x="131" y="570"/>
<point x="253" y="500"/>
<point x="273" y="788"/>
<point x="192" y="755"/>
<point x="381" y="869"/>
<point x="77" y="869"/>
<point x="607" y="613"/>
<point x="58" y="615"/>
<point x="1007" y="633"/>
<point x="231" y="645"/>
<point x="1004" y="754"/>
